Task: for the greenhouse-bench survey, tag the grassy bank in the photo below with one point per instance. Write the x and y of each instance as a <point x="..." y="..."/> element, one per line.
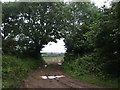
<point x="53" y="58"/>
<point x="14" y="70"/>
<point x="73" y="70"/>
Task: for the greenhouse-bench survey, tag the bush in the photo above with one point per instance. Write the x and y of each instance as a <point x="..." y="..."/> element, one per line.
<point x="77" y="66"/>
<point x="70" y="57"/>
<point x="16" y="69"/>
<point x="88" y="68"/>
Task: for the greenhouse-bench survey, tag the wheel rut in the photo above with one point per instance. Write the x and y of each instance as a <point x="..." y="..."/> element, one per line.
<point x="58" y="79"/>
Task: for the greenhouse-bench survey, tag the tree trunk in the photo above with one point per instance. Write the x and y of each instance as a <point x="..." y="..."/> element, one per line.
<point x="37" y="53"/>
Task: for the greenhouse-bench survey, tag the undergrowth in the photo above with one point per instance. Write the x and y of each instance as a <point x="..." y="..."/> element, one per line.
<point x="85" y="70"/>
<point x="14" y="70"/>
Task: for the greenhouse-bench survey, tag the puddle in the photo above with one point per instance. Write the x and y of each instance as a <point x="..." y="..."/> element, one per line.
<point x="60" y="76"/>
<point x="44" y="77"/>
<point x="59" y="63"/>
<point x="45" y="65"/>
<point x="52" y="77"/>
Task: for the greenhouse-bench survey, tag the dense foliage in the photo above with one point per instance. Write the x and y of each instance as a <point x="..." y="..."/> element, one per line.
<point x="16" y="69"/>
<point x="83" y="68"/>
<point x="94" y="43"/>
<point x="27" y="27"/>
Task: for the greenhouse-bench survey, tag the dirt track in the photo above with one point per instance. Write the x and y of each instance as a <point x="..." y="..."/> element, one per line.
<point x="35" y="81"/>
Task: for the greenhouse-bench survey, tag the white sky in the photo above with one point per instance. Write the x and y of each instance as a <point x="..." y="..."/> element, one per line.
<point x="59" y="46"/>
<point x="55" y="47"/>
<point x="100" y="3"/>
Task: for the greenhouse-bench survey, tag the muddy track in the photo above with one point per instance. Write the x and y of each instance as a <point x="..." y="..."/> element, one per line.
<point x="35" y="81"/>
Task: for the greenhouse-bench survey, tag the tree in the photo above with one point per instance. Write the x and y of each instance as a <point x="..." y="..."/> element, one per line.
<point x="104" y="37"/>
<point x="10" y="27"/>
<point x="93" y="32"/>
<point x="33" y="25"/>
<point x="78" y="17"/>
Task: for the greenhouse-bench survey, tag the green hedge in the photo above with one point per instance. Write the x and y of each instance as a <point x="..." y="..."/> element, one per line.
<point x="87" y="68"/>
<point x="14" y="70"/>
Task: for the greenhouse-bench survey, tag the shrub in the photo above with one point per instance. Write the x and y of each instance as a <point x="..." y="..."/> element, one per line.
<point x="16" y="69"/>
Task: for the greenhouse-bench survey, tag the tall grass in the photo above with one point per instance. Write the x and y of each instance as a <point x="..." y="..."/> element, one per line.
<point x="85" y="70"/>
<point x="14" y="70"/>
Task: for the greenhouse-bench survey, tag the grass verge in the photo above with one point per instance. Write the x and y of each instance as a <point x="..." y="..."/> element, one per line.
<point x="92" y="79"/>
<point x="14" y="70"/>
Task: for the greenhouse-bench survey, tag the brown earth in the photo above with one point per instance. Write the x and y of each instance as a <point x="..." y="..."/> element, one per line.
<point x="35" y="81"/>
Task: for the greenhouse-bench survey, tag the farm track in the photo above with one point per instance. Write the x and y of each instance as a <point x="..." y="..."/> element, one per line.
<point x="35" y="81"/>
